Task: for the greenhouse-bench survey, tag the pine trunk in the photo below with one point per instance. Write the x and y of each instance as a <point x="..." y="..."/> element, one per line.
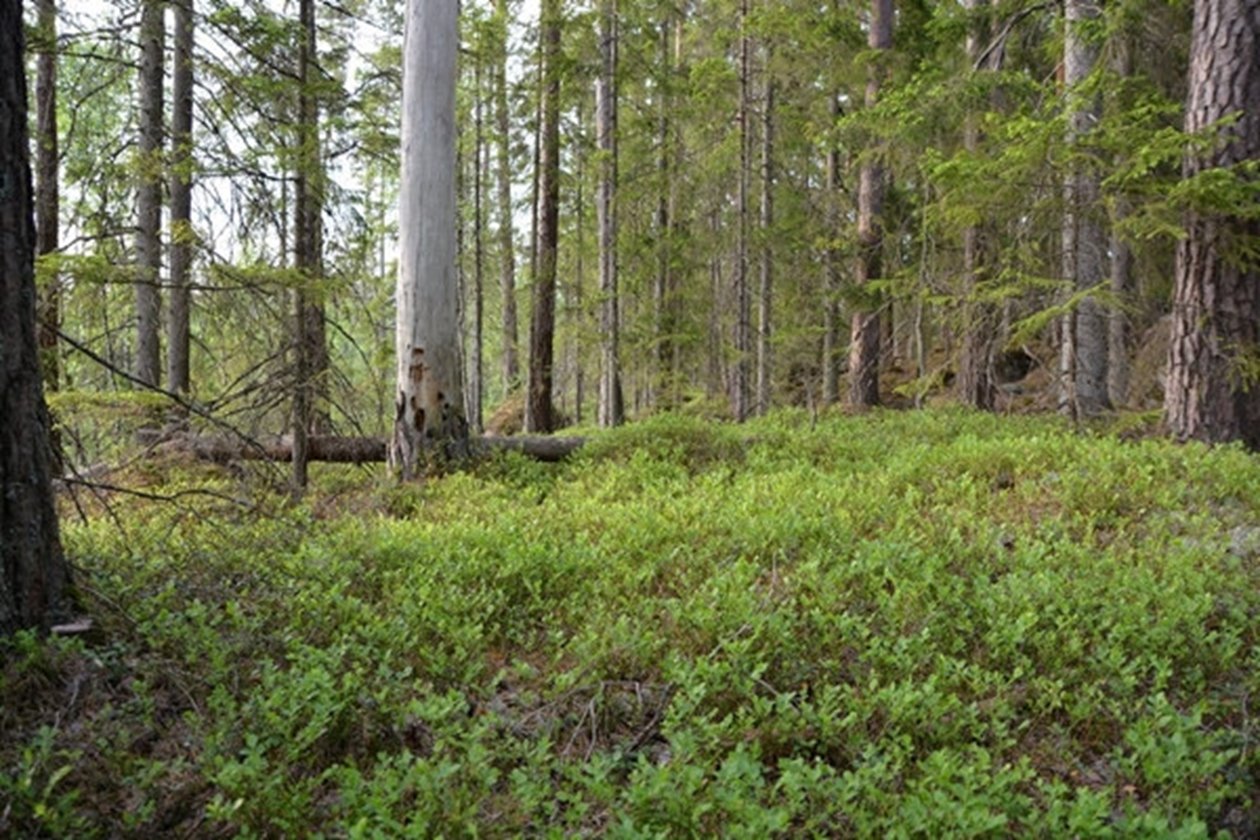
<point x="864" y="338"/>
<point x="178" y="338"/>
<point x="149" y="194"/>
<point x="741" y="385"/>
<point x="831" y="292"/>
<point x="611" y="401"/>
<point x="507" y="247"/>
<point x="34" y="576"/>
<point x="476" y="364"/>
<point x="764" y="295"/>
<point x="1212" y="393"/>
<point x="539" y="412"/>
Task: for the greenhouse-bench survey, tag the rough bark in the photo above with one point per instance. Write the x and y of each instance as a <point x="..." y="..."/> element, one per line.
<point x="741" y="395"/>
<point x="1212" y="393"/>
<point x="765" y="292"/>
<point x="611" y="404"/>
<point x="539" y="411"/>
<point x="864" y="338"/>
<point x="47" y="189"/>
<point x="507" y="248"/>
<point x="149" y="193"/>
<point x="429" y="411"/>
<point x="306" y="243"/>
<point x="1083" y="348"/>
<point x="181" y="176"/>
<point x="34" y="576"/>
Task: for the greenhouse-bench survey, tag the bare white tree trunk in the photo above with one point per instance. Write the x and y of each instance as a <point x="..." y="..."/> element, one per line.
<point x="429" y="411"/>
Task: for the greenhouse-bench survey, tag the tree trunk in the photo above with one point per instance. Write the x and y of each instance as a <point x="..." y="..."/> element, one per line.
<point x="1083" y="351"/>
<point x="662" y="292"/>
<point x="831" y="292"/>
<point x="764" y="296"/>
<point x="507" y="247"/>
<point x="864" y="337"/>
<point x="741" y="385"/>
<point x="576" y="311"/>
<point x="34" y="576"/>
<point x="1212" y="393"/>
<point x="47" y="189"/>
<point x="1121" y="273"/>
<point x="975" y="363"/>
<point x="476" y="364"/>
<point x="177" y="350"/>
<point x="611" y="402"/>
<point x="149" y="193"/>
<point x="539" y="412"/>
<point x="429" y="411"/>
<point x="306" y="244"/>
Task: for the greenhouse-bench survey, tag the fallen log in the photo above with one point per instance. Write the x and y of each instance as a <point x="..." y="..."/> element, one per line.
<point x="349" y="450"/>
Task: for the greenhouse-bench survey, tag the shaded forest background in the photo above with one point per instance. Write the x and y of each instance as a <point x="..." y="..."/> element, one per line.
<point x="227" y="179"/>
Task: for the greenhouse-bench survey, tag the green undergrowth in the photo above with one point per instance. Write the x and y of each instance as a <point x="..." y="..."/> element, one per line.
<point x="927" y="624"/>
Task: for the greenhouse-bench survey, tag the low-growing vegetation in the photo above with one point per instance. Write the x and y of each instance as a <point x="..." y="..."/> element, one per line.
<point x="905" y="625"/>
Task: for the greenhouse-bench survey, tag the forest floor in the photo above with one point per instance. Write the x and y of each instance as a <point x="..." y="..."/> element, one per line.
<point x="925" y="624"/>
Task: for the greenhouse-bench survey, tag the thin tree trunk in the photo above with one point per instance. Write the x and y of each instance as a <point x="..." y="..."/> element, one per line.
<point x="539" y="412"/>
<point x="177" y="351"/>
<point x="831" y="301"/>
<point x="34" y="576"/>
<point x="429" y="413"/>
<point x="715" y="378"/>
<point x="507" y="247"/>
<point x="975" y="363"/>
<point x="1121" y="277"/>
<point x="476" y="364"/>
<point x="741" y="386"/>
<point x="661" y="291"/>
<point x="864" y="337"/>
<point x="47" y="189"/>
<point x="305" y="244"/>
<point x="1083" y="356"/>
<point x="149" y="193"/>
<point x="579" y="274"/>
<point x="611" y="404"/>
<point x="764" y="297"/>
<point x="1212" y="393"/>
